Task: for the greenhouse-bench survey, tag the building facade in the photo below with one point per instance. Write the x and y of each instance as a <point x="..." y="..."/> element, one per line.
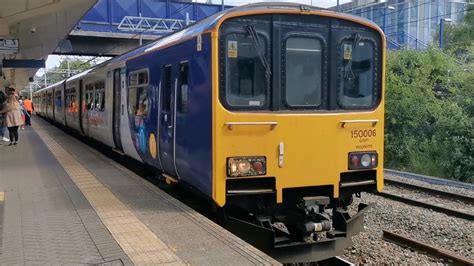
<point x="408" y="24"/>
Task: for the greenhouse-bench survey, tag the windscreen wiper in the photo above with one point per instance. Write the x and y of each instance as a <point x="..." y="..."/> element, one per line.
<point x="348" y="73"/>
<point x="260" y="50"/>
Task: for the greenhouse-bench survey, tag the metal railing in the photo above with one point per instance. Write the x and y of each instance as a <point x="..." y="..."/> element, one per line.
<point x="153" y="25"/>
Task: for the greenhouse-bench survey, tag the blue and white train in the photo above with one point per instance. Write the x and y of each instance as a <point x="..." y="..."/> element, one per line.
<point x="273" y="111"/>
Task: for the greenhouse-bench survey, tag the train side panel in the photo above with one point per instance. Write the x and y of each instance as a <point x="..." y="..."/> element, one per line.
<point x="72" y="105"/>
<point x="59" y="104"/>
<point x="97" y="111"/>
<point x="191" y="131"/>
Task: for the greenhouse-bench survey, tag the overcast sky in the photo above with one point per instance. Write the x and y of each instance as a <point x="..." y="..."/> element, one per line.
<point x="53" y="60"/>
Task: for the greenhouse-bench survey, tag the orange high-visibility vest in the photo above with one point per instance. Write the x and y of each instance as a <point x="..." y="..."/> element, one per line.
<point x="28" y="105"/>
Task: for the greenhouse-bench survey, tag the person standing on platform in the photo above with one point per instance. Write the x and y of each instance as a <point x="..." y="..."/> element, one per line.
<point x="29" y="109"/>
<point x="13" y="118"/>
<point x="3" y="122"/>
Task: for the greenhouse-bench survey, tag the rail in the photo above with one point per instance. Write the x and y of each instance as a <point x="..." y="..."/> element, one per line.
<point x="437" y="208"/>
<point x="420" y="246"/>
<point x="431" y="191"/>
<point x="431" y="179"/>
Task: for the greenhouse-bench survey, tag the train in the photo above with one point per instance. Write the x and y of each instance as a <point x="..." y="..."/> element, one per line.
<point x="273" y="111"/>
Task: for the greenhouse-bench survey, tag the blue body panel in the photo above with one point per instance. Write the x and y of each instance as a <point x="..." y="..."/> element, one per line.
<point x="193" y="129"/>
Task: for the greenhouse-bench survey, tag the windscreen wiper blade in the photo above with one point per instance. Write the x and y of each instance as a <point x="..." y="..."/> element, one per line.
<point x="260" y="52"/>
<point x="349" y="74"/>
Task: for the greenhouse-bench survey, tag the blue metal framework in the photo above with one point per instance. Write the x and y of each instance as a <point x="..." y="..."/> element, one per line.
<point x="106" y="15"/>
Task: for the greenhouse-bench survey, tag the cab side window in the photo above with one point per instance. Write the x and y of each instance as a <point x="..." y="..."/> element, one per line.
<point x="183" y="87"/>
<point x="166" y="88"/>
<point x="138" y="104"/>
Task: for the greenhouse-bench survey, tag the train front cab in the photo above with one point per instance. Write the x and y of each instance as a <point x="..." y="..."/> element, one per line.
<point x="298" y="126"/>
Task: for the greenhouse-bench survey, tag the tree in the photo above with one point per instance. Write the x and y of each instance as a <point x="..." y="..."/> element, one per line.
<point x="429" y="115"/>
<point x="459" y="38"/>
<point x="74" y="65"/>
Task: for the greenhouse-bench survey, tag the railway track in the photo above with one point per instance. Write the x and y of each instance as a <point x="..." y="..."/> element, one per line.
<point x="452" y="204"/>
<point x="431" y="191"/>
<point x="431" y="179"/>
<point x="448" y="256"/>
<point x="419" y="203"/>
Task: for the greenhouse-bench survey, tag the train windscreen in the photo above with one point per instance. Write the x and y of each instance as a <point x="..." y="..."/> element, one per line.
<point x="289" y="62"/>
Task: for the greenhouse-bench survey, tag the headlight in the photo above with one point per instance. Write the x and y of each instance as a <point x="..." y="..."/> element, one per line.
<point x="246" y="166"/>
<point x="363" y="160"/>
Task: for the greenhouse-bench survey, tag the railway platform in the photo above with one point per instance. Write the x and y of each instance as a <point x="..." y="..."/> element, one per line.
<point x="63" y="202"/>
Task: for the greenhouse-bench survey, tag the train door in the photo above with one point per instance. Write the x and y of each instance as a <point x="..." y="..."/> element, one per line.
<point x="168" y="120"/>
<point x="81" y="106"/>
<point x="64" y="103"/>
<point x="117" y="110"/>
<point x="53" y="100"/>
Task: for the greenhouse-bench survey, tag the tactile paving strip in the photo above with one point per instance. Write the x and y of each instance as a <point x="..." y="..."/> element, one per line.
<point x="134" y="237"/>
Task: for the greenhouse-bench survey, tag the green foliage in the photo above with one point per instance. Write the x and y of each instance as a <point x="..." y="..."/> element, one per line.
<point x="429" y="115"/>
<point x="75" y="65"/>
<point x="459" y="38"/>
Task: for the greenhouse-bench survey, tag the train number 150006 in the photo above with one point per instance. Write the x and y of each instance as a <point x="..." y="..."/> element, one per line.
<point x="363" y="133"/>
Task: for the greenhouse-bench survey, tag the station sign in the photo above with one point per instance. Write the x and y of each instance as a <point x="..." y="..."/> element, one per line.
<point x="9" y="46"/>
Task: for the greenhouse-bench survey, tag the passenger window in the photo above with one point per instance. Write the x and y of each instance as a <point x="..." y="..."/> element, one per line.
<point x="356" y="78"/>
<point x="183" y="85"/>
<point x="58" y="99"/>
<point x="99" y="99"/>
<point x="138" y="93"/>
<point x="89" y="96"/>
<point x="142" y="101"/>
<point x="245" y="74"/>
<point x="303" y="80"/>
<point x="166" y="88"/>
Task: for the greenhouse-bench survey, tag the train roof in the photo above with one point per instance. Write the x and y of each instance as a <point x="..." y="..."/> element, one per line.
<point x="50" y="86"/>
<point x="210" y="23"/>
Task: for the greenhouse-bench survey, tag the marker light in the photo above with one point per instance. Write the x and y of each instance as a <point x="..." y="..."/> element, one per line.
<point x="355" y="161"/>
<point x="243" y="166"/>
<point x="363" y="160"/>
<point x="246" y="166"/>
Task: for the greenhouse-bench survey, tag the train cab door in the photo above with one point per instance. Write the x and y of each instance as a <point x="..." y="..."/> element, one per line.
<point x="81" y="105"/>
<point x="117" y="110"/>
<point x="167" y="121"/>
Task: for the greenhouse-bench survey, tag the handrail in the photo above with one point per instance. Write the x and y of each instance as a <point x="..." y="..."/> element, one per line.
<point x="372" y="121"/>
<point x="232" y="124"/>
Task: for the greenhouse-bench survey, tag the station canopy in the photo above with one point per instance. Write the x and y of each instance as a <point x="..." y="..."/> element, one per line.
<point x="30" y="30"/>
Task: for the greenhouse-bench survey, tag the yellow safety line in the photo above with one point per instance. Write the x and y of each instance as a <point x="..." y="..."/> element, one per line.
<point x="135" y="238"/>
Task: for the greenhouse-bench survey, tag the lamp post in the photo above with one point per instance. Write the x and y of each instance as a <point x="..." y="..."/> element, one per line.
<point x="441" y="31"/>
<point x="384" y="26"/>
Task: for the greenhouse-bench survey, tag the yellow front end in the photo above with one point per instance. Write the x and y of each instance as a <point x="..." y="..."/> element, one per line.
<point x="314" y="148"/>
<point x="302" y="148"/>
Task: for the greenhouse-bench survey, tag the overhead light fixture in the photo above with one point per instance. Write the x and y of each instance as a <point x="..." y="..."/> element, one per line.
<point x="390" y="7"/>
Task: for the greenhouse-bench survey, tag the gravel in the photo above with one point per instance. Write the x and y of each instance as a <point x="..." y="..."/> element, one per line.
<point x="437" y="229"/>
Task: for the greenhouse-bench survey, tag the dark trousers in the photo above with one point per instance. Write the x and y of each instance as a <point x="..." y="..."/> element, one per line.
<point x="28" y="119"/>
<point x="13" y="133"/>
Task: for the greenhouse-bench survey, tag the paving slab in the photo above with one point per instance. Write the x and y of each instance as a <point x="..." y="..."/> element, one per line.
<point x="65" y="202"/>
